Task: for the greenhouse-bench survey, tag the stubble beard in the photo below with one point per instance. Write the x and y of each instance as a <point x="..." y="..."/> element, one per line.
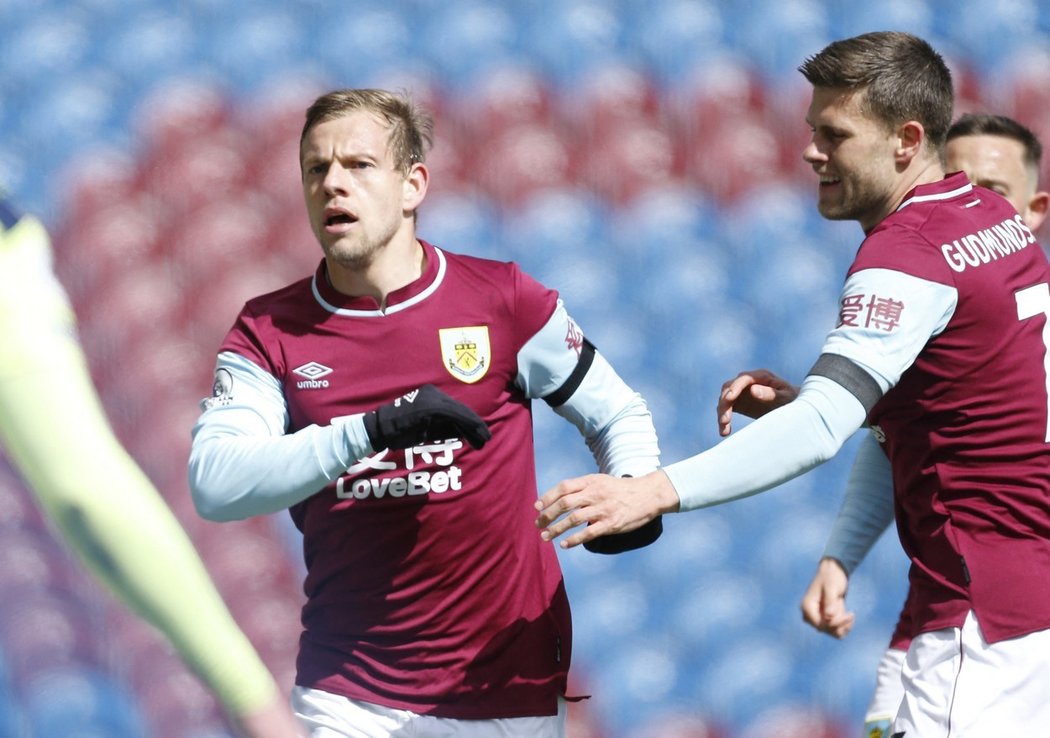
<point x="353" y="258"/>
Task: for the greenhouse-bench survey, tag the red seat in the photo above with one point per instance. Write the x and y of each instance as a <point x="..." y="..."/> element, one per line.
<point x="522" y="160"/>
<point x="630" y="157"/>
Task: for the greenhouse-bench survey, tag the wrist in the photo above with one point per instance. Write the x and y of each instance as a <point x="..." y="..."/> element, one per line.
<point x="666" y="496"/>
<point x="834" y="562"/>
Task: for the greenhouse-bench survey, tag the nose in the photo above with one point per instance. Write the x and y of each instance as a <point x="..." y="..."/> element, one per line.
<point x="335" y="180"/>
<point x="811" y="154"/>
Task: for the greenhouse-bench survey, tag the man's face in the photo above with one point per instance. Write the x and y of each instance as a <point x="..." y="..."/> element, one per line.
<point x="995" y="162"/>
<point x="355" y="196"/>
<point x="854" y="156"/>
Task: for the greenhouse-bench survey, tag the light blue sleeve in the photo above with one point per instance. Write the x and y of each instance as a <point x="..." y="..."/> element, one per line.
<point x="884" y="343"/>
<point x="867" y="508"/>
<point x="773" y="449"/>
<point x="613" y="419"/>
<point x="242" y="460"/>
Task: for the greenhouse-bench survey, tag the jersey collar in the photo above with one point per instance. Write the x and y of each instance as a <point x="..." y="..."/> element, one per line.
<point x="401" y="299"/>
<point x="952" y="186"/>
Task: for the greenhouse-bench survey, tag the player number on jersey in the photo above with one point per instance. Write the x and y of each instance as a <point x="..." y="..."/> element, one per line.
<point x="1033" y="301"/>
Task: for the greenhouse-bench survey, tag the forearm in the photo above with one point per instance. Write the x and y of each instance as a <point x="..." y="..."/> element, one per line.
<point x="615" y="422"/>
<point x="111" y="515"/>
<point x="772" y="450"/>
<point x="234" y="475"/>
<point x="867" y="507"/>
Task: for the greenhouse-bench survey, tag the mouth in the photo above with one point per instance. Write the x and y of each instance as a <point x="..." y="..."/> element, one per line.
<point x="826" y="180"/>
<point x="337" y="220"/>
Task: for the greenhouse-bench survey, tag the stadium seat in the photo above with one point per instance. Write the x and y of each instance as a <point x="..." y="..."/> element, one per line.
<point x="569" y="38"/>
<point x="50" y="629"/>
<point x="33" y="563"/>
<point x="629" y="157"/>
<point x="682" y="724"/>
<point x="482" y="32"/>
<point x="502" y="95"/>
<point x="777" y="34"/>
<point x="383" y="34"/>
<point x="675" y="36"/>
<point x="147" y="44"/>
<point x="466" y="222"/>
<point x="914" y="16"/>
<point x="796" y="722"/>
<point x="523" y="159"/>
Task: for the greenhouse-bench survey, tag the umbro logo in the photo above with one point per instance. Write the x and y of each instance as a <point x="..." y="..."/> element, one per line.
<point x="312" y="373"/>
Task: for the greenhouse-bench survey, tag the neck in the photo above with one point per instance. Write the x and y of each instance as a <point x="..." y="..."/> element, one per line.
<point x="926" y="172"/>
<point x="397" y="264"/>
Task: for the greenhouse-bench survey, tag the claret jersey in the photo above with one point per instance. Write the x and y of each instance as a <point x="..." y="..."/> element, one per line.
<point x="965" y="425"/>
<point x="428" y="586"/>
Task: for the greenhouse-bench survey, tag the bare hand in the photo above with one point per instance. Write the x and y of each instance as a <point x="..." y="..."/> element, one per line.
<point x="273" y="720"/>
<point x="752" y="394"/>
<point x="603" y="505"/>
<point x="824" y="603"/>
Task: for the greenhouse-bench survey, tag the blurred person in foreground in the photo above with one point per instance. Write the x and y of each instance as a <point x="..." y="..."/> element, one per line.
<point x="54" y="430"/>
<point x="996" y="153"/>
<point x="386" y="402"/>
<point x="941" y="350"/>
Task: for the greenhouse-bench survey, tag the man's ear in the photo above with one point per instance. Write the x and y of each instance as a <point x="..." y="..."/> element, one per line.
<point x="415" y="187"/>
<point x="911" y="137"/>
<point x="1037" y="209"/>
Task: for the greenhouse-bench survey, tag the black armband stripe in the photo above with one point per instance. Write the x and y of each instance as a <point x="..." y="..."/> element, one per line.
<point x="561" y="395"/>
<point x="858" y="382"/>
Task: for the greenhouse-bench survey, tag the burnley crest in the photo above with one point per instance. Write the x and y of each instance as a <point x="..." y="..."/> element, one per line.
<point x="465" y="352"/>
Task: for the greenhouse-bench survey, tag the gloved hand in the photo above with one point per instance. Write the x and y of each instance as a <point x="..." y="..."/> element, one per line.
<point x="615" y="543"/>
<point x="424" y="414"/>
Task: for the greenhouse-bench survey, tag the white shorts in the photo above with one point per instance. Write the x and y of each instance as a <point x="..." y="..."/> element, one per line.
<point x="889" y="691"/>
<point x="327" y="715"/>
<point x="956" y="685"/>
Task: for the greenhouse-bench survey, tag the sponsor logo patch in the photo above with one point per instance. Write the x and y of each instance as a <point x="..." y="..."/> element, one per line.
<point x="221" y="390"/>
<point x="466" y="352"/>
<point x="312" y="374"/>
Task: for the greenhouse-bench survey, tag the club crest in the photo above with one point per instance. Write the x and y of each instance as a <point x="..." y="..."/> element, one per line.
<point x="465" y="352"/>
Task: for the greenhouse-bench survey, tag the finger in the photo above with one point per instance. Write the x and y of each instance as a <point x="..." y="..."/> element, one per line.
<point x="841" y="628"/>
<point x="558" y="491"/>
<point x="763" y="393"/>
<point x="566" y="523"/>
<point x="552" y="512"/>
<point x="811" y="609"/>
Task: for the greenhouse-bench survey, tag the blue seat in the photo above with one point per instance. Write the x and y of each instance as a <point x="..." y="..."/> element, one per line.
<point x="778" y="34"/>
<point x="382" y="34"/>
<point x="568" y="38"/>
<point x="914" y="16"/>
<point x="462" y="222"/>
<point x="552" y="223"/>
<point x="268" y="43"/>
<point x="462" y="36"/>
<point x="80" y="702"/>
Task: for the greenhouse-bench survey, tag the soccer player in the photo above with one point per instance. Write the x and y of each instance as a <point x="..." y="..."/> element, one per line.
<point x="54" y="430"/>
<point x="941" y="349"/>
<point x="1001" y="155"/>
<point x="386" y="402"/>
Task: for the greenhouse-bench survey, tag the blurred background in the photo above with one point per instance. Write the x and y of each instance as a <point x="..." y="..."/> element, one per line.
<point x="642" y="156"/>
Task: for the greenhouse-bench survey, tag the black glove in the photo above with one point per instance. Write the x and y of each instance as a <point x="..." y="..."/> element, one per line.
<point x="424" y="414"/>
<point x="614" y="543"/>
